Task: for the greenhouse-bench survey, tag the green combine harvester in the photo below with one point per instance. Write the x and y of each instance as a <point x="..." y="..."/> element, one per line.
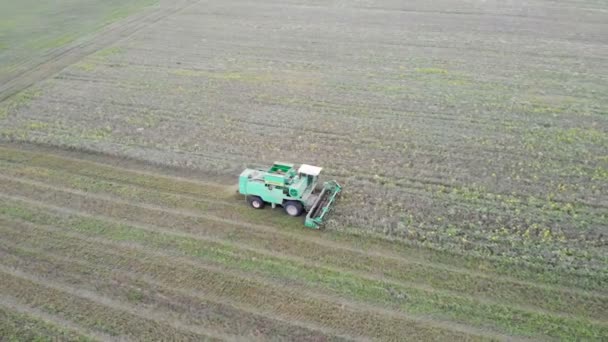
<point x="295" y="190"/>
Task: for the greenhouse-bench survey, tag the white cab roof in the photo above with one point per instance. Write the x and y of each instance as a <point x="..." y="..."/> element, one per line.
<point x="310" y="170"/>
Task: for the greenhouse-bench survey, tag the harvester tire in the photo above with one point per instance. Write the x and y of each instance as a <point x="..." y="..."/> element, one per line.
<point x="293" y="208"/>
<point x="256" y="202"/>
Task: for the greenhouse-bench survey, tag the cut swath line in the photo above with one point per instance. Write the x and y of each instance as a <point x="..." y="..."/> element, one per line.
<point x="14" y="305"/>
<point x="55" y="162"/>
<point x="301" y="261"/>
<point x="144" y="278"/>
<point x="423" y="289"/>
<point x="315" y="240"/>
<point x="301" y="292"/>
<point x="96" y="298"/>
<point x="297" y="260"/>
<point x="102" y="166"/>
<point x="351" y="272"/>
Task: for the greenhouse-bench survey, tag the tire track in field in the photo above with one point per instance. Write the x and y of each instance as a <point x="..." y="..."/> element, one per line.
<point x="62" y="155"/>
<point x="415" y="181"/>
<point x="85" y="193"/>
<point x="387" y="280"/>
<point x="291" y="258"/>
<point x="394" y="263"/>
<point x="59" y="59"/>
<point x="177" y="212"/>
<point x="187" y="189"/>
<point x="117" y="250"/>
<point x="192" y="215"/>
<point x="14" y="305"/>
<point x="58" y="261"/>
<point x="347" y="309"/>
<point x="404" y="182"/>
<point x="191" y="190"/>
<point x="142" y="313"/>
<point x="367" y="306"/>
<point x="330" y="245"/>
<point x="113" y="249"/>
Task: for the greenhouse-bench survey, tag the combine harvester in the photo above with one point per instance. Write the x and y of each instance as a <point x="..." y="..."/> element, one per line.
<point x="293" y="190"/>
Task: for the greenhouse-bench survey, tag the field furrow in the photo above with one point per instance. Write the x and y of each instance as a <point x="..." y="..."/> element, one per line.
<point x="212" y="282"/>
<point x="199" y="225"/>
<point x="419" y="299"/>
<point x="90" y="310"/>
<point x="193" y="197"/>
<point x="20" y="322"/>
<point x="193" y="308"/>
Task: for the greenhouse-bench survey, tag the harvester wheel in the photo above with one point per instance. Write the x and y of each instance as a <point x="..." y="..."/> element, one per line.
<point x="255" y="202"/>
<point x="293" y="208"/>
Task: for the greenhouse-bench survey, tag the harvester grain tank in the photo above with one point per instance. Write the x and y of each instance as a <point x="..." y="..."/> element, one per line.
<point x="294" y="190"/>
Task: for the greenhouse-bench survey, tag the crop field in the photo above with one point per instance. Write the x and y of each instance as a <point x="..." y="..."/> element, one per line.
<point x="471" y="139"/>
<point x="32" y="31"/>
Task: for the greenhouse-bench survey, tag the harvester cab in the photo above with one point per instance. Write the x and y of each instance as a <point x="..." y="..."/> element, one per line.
<point x="295" y="190"/>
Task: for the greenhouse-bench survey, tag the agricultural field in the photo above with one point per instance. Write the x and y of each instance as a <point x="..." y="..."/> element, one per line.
<point x="32" y="31"/>
<point x="471" y="139"/>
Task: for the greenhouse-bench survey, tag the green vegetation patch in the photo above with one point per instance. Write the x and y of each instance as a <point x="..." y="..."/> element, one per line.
<point x="30" y="28"/>
<point x="18" y="100"/>
<point x="15" y="326"/>
<point x="87" y="312"/>
<point x="224" y="76"/>
<point x="409" y="299"/>
<point x="432" y="71"/>
<point x="461" y="282"/>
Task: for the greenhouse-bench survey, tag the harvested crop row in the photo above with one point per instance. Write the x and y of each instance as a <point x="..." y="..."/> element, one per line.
<point x="110" y="172"/>
<point x="105" y="179"/>
<point x="375" y="265"/>
<point x="325" y="279"/>
<point x="20" y="326"/>
<point x="87" y="310"/>
<point x="278" y="271"/>
<point x="292" y="305"/>
<point x="76" y="266"/>
<point x="528" y="240"/>
<point x="53" y="165"/>
<point x="223" y="203"/>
